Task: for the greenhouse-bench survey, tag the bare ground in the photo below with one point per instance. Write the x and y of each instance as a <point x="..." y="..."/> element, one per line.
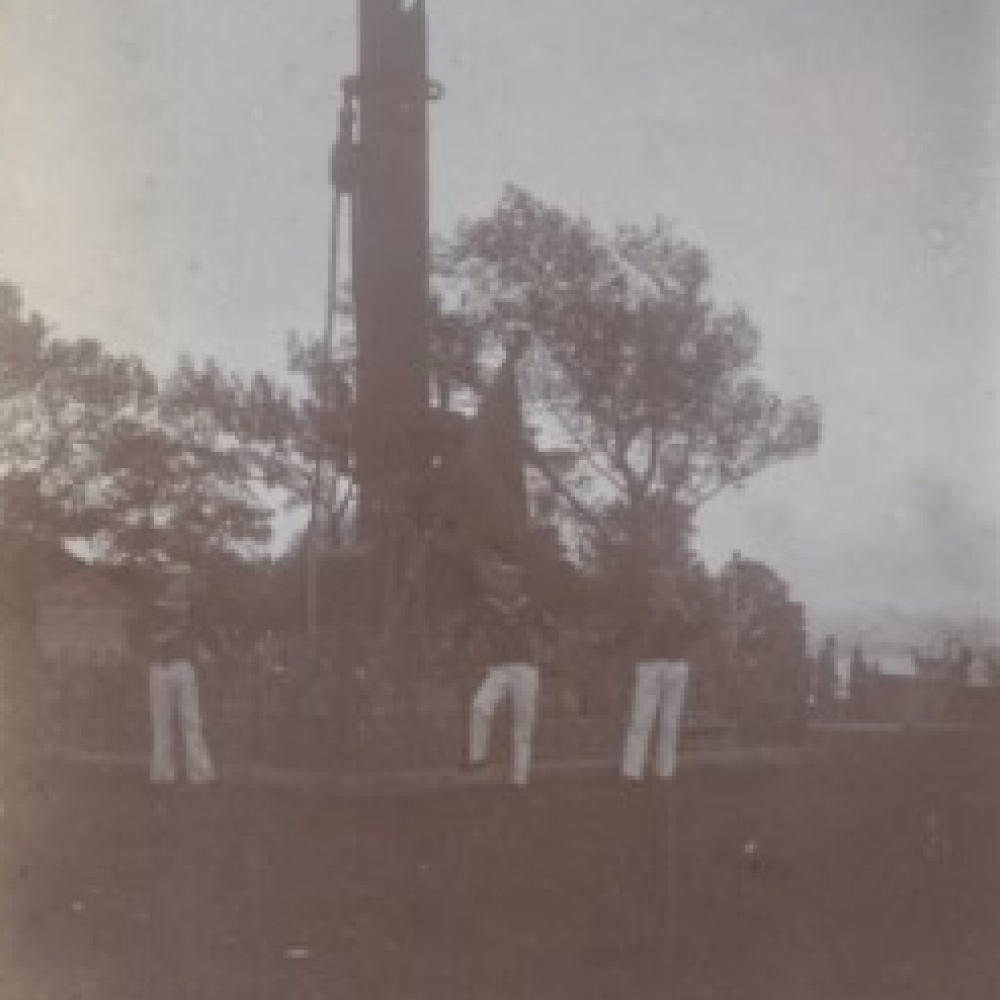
<point x="869" y="871"/>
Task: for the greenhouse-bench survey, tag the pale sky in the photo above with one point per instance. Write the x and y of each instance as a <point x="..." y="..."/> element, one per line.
<point x="163" y="187"/>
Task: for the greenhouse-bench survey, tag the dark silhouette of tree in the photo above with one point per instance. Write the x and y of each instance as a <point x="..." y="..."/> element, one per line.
<point x="642" y="372"/>
<point x="761" y="663"/>
<point x="60" y="403"/>
<point x="92" y="445"/>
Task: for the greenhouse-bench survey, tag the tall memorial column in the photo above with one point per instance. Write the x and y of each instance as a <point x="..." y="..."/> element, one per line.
<point x="390" y="256"/>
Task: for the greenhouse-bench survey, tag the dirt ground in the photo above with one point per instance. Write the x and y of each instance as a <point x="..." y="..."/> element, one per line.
<point x="869" y="871"/>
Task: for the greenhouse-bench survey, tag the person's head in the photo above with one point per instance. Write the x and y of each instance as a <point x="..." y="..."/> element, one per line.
<point x="168" y="631"/>
<point x="500" y="576"/>
<point x="176" y="583"/>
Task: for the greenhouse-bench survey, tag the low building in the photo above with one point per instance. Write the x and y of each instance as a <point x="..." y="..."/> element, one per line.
<point x="83" y="618"/>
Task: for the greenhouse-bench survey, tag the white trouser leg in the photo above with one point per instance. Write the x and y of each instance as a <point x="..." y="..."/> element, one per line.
<point x="674" y="684"/>
<point x="197" y="761"/>
<point x="524" y="695"/>
<point x="161" y="702"/>
<point x="484" y="704"/>
<point x="645" y="701"/>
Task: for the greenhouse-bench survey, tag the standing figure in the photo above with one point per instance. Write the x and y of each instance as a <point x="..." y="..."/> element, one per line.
<point x="826" y="675"/>
<point x="857" y="680"/>
<point x="173" y="699"/>
<point x="510" y="629"/>
<point x="663" y="641"/>
<point x="959" y="661"/>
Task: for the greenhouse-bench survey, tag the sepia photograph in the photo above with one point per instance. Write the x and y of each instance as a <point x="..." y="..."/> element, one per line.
<point x="499" y="500"/>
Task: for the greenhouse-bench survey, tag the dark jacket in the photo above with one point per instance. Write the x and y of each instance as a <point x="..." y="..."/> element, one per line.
<point x="177" y="642"/>
<point x="510" y="631"/>
<point x="670" y="634"/>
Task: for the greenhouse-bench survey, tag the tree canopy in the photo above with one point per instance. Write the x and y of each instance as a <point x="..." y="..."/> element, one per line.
<point x="636" y="368"/>
<point x="93" y="445"/>
<point x="644" y="400"/>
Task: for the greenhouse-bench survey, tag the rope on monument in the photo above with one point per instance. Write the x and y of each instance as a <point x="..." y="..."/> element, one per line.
<point x="341" y="171"/>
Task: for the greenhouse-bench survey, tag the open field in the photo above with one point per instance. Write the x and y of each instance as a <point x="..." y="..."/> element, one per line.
<point x="875" y="876"/>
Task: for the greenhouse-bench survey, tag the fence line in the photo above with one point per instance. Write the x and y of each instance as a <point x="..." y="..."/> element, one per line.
<point x="315" y="709"/>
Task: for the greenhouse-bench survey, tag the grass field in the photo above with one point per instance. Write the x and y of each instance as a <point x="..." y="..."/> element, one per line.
<point x="867" y="871"/>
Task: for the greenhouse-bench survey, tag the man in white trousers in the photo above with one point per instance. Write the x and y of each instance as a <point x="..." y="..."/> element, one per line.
<point x="662" y="644"/>
<point x="173" y="694"/>
<point x="510" y="630"/>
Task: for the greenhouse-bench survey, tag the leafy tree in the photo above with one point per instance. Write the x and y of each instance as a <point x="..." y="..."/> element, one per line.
<point x="321" y="436"/>
<point x="635" y="365"/>
<point x="760" y="664"/>
<point x="59" y="402"/>
<point x="93" y="445"/>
